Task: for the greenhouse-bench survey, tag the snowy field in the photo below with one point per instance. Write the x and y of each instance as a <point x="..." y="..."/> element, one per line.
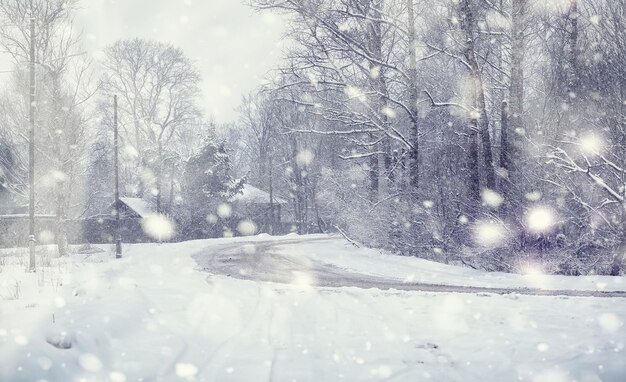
<point x="156" y="316"/>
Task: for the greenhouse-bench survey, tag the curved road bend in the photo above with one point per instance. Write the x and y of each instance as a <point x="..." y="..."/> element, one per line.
<point x="258" y="261"/>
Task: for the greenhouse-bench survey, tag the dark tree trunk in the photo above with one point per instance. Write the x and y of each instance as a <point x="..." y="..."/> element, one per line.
<point x="572" y="59"/>
<point x="388" y="162"/>
<point x="467" y="24"/>
<point x="505" y="149"/>
<point x="379" y="85"/>
<point x="516" y="95"/>
<point x="413" y="100"/>
<point x="159" y="177"/>
<point x="374" y="168"/>
<point x="474" y="173"/>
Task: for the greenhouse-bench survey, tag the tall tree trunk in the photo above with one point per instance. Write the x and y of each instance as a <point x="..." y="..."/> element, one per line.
<point x="378" y="83"/>
<point x="388" y="162"/>
<point x="518" y="50"/>
<point x="572" y="50"/>
<point x="272" y="219"/>
<point x="479" y="104"/>
<point x="297" y="188"/>
<point x="413" y="100"/>
<point x="61" y="229"/>
<point x="159" y="177"/>
<point x="262" y="164"/>
<point x="505" y="149"/>
<point x="512" y="128"/>
<point x="374" y="169"/>
<point x="170" y="203"/>
<point x="485" y="135"/>
<point x="394" y="168"/>
<point x="571" y="70"/>
<point x="61" y="187"/>
<point x="473" y="162"/>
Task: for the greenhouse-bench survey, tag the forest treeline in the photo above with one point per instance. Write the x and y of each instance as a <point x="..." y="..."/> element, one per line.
<point x="487" y="132"/>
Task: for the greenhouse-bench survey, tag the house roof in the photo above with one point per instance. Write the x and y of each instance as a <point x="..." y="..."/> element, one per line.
<point x="252" y="195"/>
<point x="140" y="206"/>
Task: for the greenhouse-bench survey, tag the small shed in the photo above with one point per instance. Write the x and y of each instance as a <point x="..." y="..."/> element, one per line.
<point x="257" y="205"/>
<point x="101" y="228"/>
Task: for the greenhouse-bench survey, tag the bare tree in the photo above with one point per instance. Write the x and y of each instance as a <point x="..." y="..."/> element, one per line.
<point x="63" y="90"/>
<point x="158" y="88"/>
<point x="348" y="73"/>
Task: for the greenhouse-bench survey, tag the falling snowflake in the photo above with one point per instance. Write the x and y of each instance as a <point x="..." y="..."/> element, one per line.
<point x="247" y="227"/>
<point x="224" y="210"/>
<point x="305" y="157"/>
<point x="388" y="112"/>
<point x="533" y="196"/>
<point x="490" y="234"/>
<point x="491" y="198"/>
<point x="158" y="227"/>
<point x="591" y="144"/>
<point x="540" y="219"/>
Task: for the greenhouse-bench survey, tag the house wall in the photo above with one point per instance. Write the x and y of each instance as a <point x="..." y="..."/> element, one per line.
<point x="102" y="231"/>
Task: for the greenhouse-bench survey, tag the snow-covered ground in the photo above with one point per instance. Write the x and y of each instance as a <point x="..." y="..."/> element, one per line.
<point x="154" y="316"/>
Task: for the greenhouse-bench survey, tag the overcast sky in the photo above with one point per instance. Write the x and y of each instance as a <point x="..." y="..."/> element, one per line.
<point x="233" y="46"/>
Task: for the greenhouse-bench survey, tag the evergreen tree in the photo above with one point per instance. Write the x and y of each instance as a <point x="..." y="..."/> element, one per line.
<point x="208" y="184"/>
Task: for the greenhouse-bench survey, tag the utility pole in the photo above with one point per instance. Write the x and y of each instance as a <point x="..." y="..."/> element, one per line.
<point x="271" y="189"/>
<point x="31" y="146"/>
<point x="118" y="234"/>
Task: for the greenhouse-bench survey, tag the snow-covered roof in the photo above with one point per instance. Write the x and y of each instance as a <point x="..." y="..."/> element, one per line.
<point x="252" y="195"/>
<point x="140" y="206"/>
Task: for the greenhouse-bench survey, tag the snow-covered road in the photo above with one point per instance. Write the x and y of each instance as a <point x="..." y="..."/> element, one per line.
<point x="299" y="261"/>
<point x="155" y="316"/>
